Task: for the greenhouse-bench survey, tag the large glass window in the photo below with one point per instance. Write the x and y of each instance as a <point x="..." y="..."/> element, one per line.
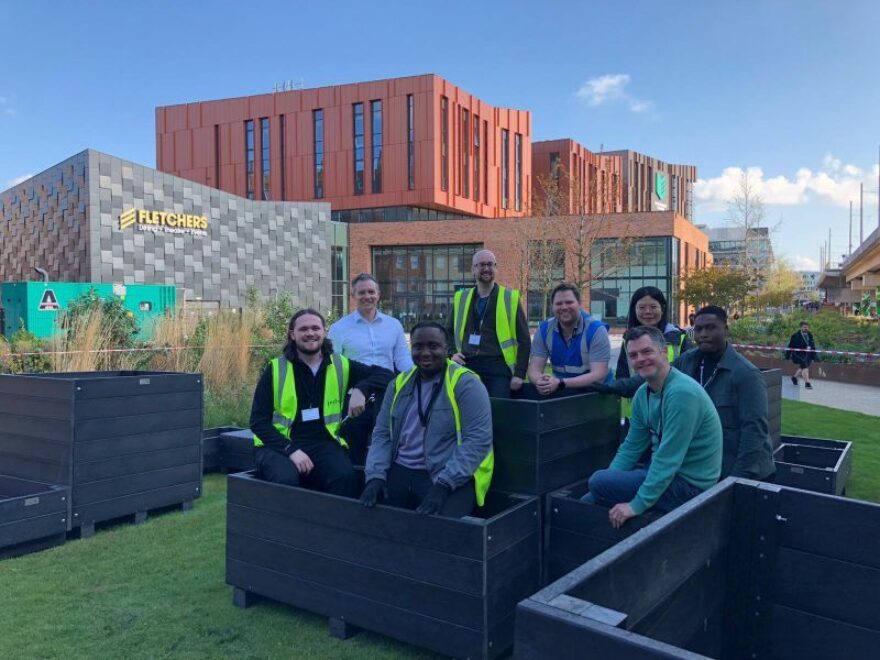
<point x="339" y="281"/>
<point x="519" y="172"/>
<point x="358" y="116"/>
<point x="410" y="142"/>
<point x="318" y="129"/>
<point x="376" y="124"/>
<point x="476" y="158"/>
<point x="619" y="269"/>
<point x="249" y="157"/>
<point x="465" y="155"/>
<point x="265" y="188"/>
<point x="419" y="281"/>
<point x="444" y="143"/>
<point x="505" y="168"/>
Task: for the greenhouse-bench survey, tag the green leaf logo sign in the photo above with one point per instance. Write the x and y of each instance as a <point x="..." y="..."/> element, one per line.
<point x="660" y="185"/>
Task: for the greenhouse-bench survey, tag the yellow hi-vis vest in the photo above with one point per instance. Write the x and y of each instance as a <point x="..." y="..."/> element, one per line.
<point x="672" y="352"/>
<point x="285" y="401"/>
<point x="505" y="320"/>
<point x="454" y="372"/>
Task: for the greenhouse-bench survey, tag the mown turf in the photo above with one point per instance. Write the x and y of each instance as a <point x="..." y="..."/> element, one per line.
<point x="158" y="591"/>
<point x="863" y="430"/>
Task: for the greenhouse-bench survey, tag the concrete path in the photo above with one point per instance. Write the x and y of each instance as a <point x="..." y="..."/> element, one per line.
<point x="843" y="396"/>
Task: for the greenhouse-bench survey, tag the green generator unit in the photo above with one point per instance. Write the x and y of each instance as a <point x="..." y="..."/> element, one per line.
<point x="38" y="306"/>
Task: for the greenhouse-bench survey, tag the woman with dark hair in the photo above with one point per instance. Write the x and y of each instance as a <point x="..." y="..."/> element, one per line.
<point x="297" y="413"/>
<point x="648" y="307"/>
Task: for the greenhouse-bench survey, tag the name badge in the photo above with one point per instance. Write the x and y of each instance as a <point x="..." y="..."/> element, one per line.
<point x="310" y="414"/>
<point x="474" y="340"/>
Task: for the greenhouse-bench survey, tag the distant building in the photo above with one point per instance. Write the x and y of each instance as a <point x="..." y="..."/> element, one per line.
<point x="809" y="289"/>
<point x="734" y="246"/>
<point x="650" y="184"/>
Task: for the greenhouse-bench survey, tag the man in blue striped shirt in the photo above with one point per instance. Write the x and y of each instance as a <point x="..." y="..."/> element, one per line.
<point x="369" y="336"/>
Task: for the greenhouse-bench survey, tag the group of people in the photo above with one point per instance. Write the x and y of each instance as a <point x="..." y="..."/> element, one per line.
<point x="419" y="420"/>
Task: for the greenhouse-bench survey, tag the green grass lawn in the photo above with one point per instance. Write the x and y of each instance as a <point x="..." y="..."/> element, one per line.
<point x="157" y="590"/>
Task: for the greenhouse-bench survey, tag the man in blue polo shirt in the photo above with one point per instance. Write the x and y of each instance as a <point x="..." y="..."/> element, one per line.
<point x="369" y="336"/>
<point x="575" y="344"/>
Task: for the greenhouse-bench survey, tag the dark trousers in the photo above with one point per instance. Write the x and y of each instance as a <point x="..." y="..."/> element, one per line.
<point x="358" y="431"/>
<point x="407" y="488"/>
<point x="333" y="472"/>
<point x="494" y="374"/>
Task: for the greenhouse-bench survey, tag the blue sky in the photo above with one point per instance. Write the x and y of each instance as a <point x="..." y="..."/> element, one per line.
<point x="785" y="88"/>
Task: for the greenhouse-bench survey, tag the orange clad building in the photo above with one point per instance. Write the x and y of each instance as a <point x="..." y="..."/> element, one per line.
<point x="585" y="181"/>
<point x="414" y="147"/>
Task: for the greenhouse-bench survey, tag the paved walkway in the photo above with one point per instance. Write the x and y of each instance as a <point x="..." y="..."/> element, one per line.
<point x="843" y="396"/>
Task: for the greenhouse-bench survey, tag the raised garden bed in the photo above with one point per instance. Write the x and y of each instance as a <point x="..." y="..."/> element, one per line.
<point x="815" y="464"/>
<point x="544" y="444"/>
<point x="211" y="453"/>
<point x="745" y="570"/>
<point x="448" y="585"/>
<point x="237" y="450"/>
<point x="124" y="442"/>
<point x="33" y="516"/>
<point x="773" y="379"/>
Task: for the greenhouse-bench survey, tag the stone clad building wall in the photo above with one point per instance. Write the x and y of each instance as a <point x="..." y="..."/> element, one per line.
<point x="67" y="220"/>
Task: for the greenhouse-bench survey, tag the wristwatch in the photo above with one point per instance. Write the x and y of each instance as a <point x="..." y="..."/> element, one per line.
<point x="561" y="385"/>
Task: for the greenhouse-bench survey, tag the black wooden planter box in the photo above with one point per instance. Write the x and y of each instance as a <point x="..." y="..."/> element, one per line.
<point x="211" y="453"/>
<point x="576" y="531"/>
<point x="124" y="442"/>
<point x="237" y="450"/>
<point x="33" y="516"/>
<point x="542" y="445"/>
<point x="745" y="570"/>
<point x="773" y="379"/>
<point x="448" y="585"/>
<point x="814" y="464"/>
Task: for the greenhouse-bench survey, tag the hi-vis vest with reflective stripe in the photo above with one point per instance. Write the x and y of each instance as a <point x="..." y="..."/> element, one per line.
<point x="454" y="372"/>
<point x="285" y="400"/>
<point x="506" y="307"/>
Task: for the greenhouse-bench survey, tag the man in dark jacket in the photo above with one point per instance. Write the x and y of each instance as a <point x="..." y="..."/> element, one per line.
<point x="802" y="351"/>
<point x="735" y="386"/>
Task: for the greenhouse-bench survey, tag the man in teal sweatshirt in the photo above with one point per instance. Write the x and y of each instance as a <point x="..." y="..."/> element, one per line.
<point x="675" y="417"/>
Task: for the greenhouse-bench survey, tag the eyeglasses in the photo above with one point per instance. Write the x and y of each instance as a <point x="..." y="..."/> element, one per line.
<point x="485" y="264"/>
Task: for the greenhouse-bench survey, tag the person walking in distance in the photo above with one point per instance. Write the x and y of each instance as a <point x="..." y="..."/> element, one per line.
<point x="802" y="352"/>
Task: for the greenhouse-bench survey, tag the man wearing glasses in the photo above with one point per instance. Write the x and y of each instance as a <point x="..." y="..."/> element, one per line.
<point x="673" y="416"/>
<point x="490" y="331"/>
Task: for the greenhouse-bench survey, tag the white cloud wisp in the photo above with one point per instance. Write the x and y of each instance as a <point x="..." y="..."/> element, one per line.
<point x="611" y="88"/>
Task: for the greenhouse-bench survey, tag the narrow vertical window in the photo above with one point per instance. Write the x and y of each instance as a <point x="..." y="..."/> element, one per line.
<point x="358" y="116"/>
<point x="217" y="155"/>
<point x="485" y="161"/>
<point x="318" y="126"/>
<point x="376" y="115"/>
<point x="249" y="157"/>
<point x="282" y="133"/>
<point x="410" y="142"/>
<point x="266" y="189"/>
<point x="465" y="155"/>
<point x="476" y="158"/>
<point x="518" y="172"/>
<point x="505" y="168"/>
<point x="444" y="143"/>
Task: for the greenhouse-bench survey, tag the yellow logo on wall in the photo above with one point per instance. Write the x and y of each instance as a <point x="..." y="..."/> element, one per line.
<point x="163" y="221"/>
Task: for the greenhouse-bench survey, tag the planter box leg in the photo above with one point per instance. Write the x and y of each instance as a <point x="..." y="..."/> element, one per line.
<point x="186" y="506"/>
<point x="341" y="629"/>
<point x="242" y="598"/>
<point x="140" y="517"/>
<point x="87" y="531"/>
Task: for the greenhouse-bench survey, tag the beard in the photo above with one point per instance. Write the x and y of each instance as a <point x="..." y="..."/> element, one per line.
<point x="309" y="351"/>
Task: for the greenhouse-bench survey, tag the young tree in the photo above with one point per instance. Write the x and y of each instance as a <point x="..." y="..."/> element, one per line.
<point x="746" y="212"/>
<point x="779" y="286"/>
<point x="721" y="285"/>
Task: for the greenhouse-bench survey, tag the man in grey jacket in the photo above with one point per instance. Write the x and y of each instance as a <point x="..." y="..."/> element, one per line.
<point x="735" y="386"/>
<point x="432" y="443"/>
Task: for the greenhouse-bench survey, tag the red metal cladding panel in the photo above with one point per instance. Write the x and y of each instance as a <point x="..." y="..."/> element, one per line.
<point x="203" y="147"/>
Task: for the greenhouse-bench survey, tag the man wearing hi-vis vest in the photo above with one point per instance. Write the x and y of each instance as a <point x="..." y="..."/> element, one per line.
<point x="297" y="414"/>
<point x="489" y="330"/>
<point x="432" y="443"/>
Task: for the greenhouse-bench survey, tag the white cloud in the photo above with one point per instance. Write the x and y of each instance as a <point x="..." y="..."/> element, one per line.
<point x="612" y="88"/>
<point x="835" y="184"/>
<point x="19" y="179"/>
<point x="6" y="107"/>
<point x="800" y="262"/>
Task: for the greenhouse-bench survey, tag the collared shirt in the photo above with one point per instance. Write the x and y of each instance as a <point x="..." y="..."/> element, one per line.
<point x="379" y="342"/>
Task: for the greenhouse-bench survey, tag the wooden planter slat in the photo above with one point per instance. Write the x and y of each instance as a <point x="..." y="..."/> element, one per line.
<point x="123" y="442"/>
<point x="449" y="585"/>
<point x="32" y="515"/>
<point x="237" y="450"/>
<point x="211" y="461"/>
<point x="746" y="570"/>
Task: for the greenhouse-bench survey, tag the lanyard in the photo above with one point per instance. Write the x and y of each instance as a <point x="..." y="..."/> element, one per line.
<point x="711" y="376"/>
<point x="425" y="415"/>
<point x="309" y="382"/>
<point x="659" y="431"/>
